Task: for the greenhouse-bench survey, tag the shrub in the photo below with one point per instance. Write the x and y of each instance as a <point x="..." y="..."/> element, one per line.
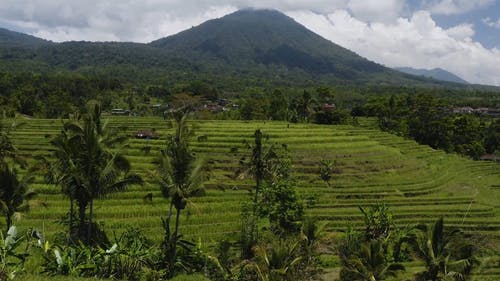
<point x="128" y="258"/>
<point x="332" y="117"/>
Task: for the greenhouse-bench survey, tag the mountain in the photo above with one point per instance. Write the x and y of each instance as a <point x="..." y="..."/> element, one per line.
<point x="10" y="38"/>
<point x="266" y="37"/>
<point x="247" y="48"/>
<point x="436" y="73"/>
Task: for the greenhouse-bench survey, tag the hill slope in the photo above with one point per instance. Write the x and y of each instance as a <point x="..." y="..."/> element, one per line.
<point x="246" y="48"/>
<point x="10" y="38"/>
<point x="436" y="73"/>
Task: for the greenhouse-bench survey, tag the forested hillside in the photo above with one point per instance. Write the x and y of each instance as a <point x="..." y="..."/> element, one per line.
<point x="245" y="49"/>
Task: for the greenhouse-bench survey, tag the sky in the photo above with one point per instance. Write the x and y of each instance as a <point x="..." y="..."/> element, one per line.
<point x="461" y="36"/>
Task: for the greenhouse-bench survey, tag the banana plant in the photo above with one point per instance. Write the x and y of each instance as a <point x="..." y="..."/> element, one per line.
<point x="11" y="258"/>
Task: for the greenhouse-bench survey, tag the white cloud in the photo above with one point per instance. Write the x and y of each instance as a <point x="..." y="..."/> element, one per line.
<point x="376" y="10"/>
<point x="417" y="42"/>
<point x="461" y="32"/>
<point x="491" y="23"/>
<point x="93" y="20"/>
<point x="146" y="20"/>
<point x="449" y="7"/>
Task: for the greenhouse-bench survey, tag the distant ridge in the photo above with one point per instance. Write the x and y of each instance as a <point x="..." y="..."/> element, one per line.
<point x="12" y="39"/>
<point x="436" y="73"/>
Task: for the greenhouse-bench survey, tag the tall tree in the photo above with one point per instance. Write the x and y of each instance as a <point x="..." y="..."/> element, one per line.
<point x="278" y="107"/>
<point x="91" y="170"/>
<point x="305" y="106"/>
<point x="62" y="170"/>
<point x="267" y="163"/>
<point x="181" y="177"/>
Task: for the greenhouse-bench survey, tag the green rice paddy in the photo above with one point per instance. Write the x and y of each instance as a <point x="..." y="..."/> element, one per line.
<point x="418" y="184"/>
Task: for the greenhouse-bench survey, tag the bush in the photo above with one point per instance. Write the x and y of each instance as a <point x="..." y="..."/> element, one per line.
<point x="283" y="206"/>
<point x="331" y="117"/>
<point x="128" y="258"/>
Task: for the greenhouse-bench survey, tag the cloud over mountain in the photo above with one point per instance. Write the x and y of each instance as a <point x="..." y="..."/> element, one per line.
<point x="416" y="42"/>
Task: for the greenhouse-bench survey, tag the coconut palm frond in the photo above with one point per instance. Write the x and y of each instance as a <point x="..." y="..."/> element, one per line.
<point x="15" y="193"/>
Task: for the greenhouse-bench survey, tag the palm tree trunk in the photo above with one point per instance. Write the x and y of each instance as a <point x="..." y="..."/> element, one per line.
<point x="168" y="245"/>
<point x="9" y="220"/>
<point x="91" y="214"/>
<point x="167" y="224"/>
<point x="176" y="231"/>
<point x="82" y="207"/>
<point x="258" y="178"/>
<point x="81" y="216"/>
<point x="173" y="243"/>
<point x="170" y="212"/>
<point x="177" y="219"/>
<point x="71" y="208"/>
<point x="255" y="203"/>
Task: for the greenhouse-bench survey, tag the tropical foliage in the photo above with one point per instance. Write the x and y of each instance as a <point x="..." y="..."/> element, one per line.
<point x="447" y="254"/>
<point x="15" y="193"/>
<point x="370" y="263"/>
<point x="180" y="176"/>
<point x="12" y="254"/>
<point x="87" y="169"/>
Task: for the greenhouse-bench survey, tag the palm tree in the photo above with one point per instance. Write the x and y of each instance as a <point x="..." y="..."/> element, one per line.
<point x="15" y="193"/>
<point x="63" y="170"/>
<point x="370" y="263"/>
<point x="88" y="169"/>
<point x="258" y="165"/>
<point x="267" y="163"/>
<point x="446" y="254"/>
<point x="180" y="176"/>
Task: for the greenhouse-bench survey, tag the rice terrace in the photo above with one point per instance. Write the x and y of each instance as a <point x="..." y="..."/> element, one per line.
<point x="417" y="183"/>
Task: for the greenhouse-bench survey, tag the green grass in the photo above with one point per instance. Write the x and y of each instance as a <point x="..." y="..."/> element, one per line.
<point x="418" y="184"/>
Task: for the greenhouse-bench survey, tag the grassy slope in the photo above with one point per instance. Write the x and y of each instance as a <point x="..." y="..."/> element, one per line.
<point x="418" y="183"/>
